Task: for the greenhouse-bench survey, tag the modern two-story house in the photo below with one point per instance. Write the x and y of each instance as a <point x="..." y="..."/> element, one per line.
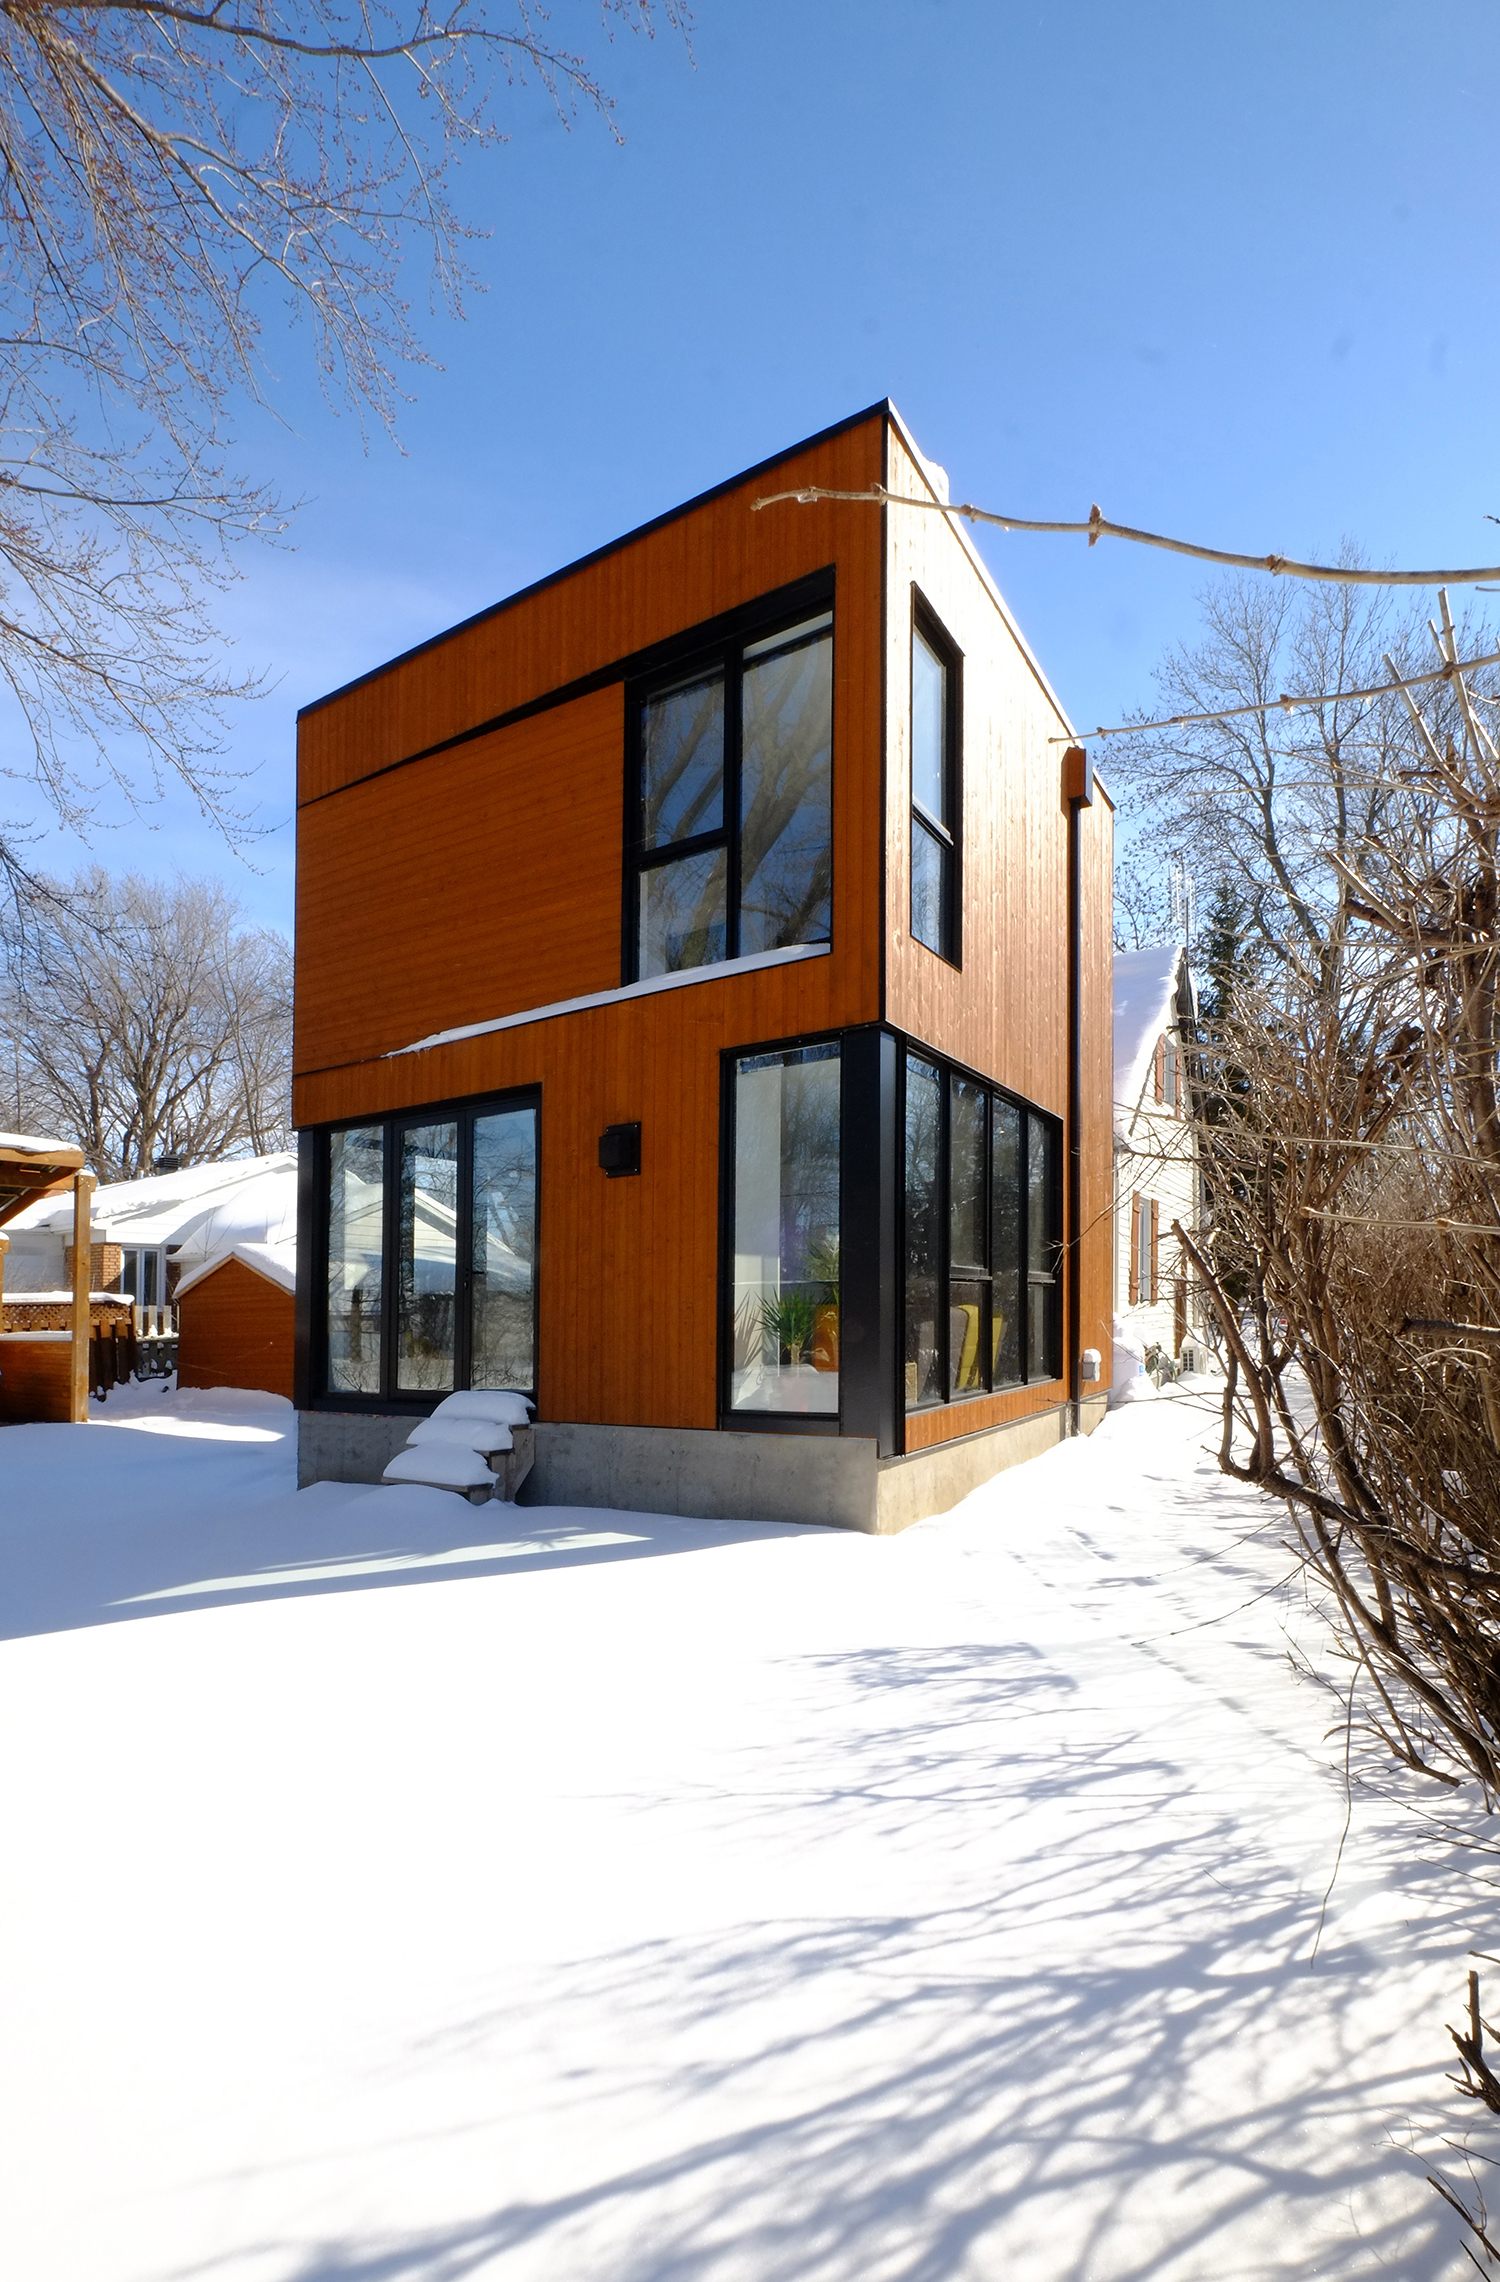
<point x="703" y="1019"/>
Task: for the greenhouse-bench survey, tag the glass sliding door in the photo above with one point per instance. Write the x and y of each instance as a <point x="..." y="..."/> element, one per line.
<point x="502" y="1291"/>
<point x="784" y="1298"/>
<point x="453" y="1199"/>
<point x="356" y="1257"/>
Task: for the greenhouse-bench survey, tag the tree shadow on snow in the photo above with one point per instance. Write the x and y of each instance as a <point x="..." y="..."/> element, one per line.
<point x="1004" y="2089"/>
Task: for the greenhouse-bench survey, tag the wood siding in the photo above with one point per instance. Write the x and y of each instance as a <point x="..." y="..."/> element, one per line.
<point x="487" y="879"/>
<point x="1003" y="1010"/>
<point x="236" y="1329"/>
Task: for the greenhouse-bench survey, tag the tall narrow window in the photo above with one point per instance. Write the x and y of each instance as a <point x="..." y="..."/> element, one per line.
<point x="934" y="796"/>
<point x="1044" y="1287"/>
<point x="356" y="1253"/>
<point x="924" y="1234"/>
<point x="982" y="1239"/>
<point x="427" y="1260"/>
<point x="503" y="1310"/>
<point x="784" y="1331"/>
<point x="733" y="848"/>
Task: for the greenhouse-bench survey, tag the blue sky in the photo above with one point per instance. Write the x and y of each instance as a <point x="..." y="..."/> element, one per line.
<point x="1228" y="271"/>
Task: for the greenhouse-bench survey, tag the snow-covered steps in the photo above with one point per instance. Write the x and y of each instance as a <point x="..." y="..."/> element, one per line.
<point x="477" y="1443"/>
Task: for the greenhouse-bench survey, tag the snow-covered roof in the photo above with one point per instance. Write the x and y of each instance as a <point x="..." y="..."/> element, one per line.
<point x="276" y="1262"/>
<point x="1147" y="984"/>
<point x="31" y="1145"/>
<point x="240" y="1199"/>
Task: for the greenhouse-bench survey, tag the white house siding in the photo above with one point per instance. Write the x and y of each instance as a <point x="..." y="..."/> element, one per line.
<point x="1155" y="1157"/>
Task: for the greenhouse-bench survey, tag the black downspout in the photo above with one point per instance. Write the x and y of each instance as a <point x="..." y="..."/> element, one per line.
<point x="1078" y="790"/>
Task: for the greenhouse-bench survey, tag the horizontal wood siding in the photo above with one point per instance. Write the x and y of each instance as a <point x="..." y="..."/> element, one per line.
<point x="488" y="879"/>
<point x="925" y="1429"/>
<point x="236" y="1329"/>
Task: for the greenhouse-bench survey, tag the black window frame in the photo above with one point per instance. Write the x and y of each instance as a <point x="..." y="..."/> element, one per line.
<point x="951" y="1073"/>
<point x="462" y="1111"/>
<point x="767" y="1421"/>
<point x="705" y="650"/>
<point x="926" y="622"/>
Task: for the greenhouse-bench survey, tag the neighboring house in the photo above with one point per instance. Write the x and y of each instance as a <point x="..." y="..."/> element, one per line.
<point x="145" y="1232"/>
<point x="703" y="1021"/>
<point x="1156" y="1167"/>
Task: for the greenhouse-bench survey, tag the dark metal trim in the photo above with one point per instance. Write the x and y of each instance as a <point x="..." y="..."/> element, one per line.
<point x="312" y="1264"/>
<point x="718" y="644"/>
<point x="868" y="1221"/>
<point x="926" y="622"/>
<point x="774" y="1421"/>
<point x="882" y="409"/>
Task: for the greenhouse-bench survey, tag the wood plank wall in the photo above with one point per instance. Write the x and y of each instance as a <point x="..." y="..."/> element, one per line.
<point x="481" y="881"/>
<point x="236" y="1329"/>
<point x="1004" y="1010"/>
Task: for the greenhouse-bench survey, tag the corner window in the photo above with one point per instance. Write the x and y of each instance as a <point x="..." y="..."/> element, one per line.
<point x="784" y="1236"/>
<point x="732" y="795"/>
<point x="983" y="1225"/>
<point x="431" y="1244"/>
<point x="935" y="790"/>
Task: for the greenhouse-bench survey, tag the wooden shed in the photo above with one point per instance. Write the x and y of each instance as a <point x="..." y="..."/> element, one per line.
<point x="703" y="1018"/>
<point x="236" y="1320"/>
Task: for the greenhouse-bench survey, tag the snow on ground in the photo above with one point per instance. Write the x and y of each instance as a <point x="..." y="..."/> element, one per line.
<point x="396" y="1890"/>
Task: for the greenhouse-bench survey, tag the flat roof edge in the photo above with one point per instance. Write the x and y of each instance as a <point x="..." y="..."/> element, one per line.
<point x="882" y="409"/>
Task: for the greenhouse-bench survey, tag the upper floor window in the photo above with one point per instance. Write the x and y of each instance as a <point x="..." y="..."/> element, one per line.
<point x="732" y="793"/>
<point x="935" y="790"/>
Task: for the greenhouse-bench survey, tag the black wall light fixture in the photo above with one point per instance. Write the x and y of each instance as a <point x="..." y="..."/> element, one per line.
<point x="620" y="1150"/>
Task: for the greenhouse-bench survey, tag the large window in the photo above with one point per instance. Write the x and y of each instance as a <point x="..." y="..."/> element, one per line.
<point x="430" y="1273"/>
<point x="784" y="1290"/>
<point x="983" y="1227"/>
<point x="732" y="793"/>
<point x="935" y="789"/>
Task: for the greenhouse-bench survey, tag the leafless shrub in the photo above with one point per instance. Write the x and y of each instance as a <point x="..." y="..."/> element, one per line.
<point x="1352" y="1252"/>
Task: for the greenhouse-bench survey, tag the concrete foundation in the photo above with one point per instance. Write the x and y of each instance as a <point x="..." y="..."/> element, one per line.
<point x="836" y="1480"/>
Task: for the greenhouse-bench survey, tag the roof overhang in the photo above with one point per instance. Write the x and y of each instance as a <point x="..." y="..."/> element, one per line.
<point x="31" y="1169"/>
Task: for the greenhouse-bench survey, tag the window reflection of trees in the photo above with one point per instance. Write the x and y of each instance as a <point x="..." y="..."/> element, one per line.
<point x="786" y="851"/>
<point x="682" y="763"/>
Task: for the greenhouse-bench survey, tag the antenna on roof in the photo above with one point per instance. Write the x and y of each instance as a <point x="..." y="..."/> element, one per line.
<point x="1184" y="901"/>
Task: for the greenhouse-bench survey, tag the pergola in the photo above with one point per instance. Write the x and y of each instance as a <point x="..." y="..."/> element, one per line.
<point x="44" y="1381"/>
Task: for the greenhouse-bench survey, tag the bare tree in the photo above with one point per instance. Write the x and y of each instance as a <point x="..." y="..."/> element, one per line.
<point x="172" y="177"/>
<point x="146" y="1019"/>
<point x="1353" y="1250"/>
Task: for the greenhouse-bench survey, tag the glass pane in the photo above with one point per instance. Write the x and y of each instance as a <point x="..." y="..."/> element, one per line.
<point x="1005" y="1237"/>
<point x="427" y="1264"/>
<point x="929" y="730"/>
<point x="128" y="1265"/>
<point x="786" y="1232"/>
<point x="923" y="1233"/>
<point x="968" y="1338"/>
<point x="683" y="914"/>
<point x="786" y="840"/>
<point x="682" y="762"/>
<point x="1045" y="1296"/>
<point x="356" y="1247"/>
<point x="966" y="1201"/>
<point x="149" y="1293"/>
<point x="503" y="1310"/>
<point x="929" y="886"/>
<point x="1041" y="1236"/>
